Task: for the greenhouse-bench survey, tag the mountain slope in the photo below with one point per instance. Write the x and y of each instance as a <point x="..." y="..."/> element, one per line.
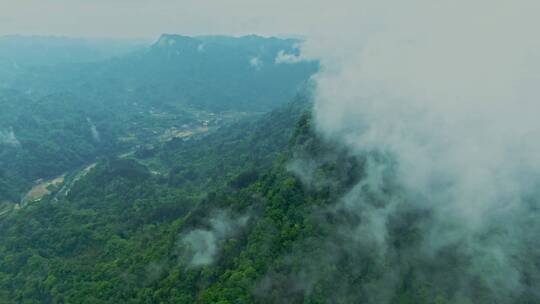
<point x="120" y="221"/>
<point x="282" y="224"/>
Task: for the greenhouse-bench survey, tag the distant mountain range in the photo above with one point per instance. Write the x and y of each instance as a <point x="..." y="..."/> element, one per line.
<point x="211" y="72"/>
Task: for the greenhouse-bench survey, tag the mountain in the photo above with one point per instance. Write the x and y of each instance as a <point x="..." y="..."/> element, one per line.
<point x="84" y="233"/>
<point x="252" y="213"/>
<point x="62" y="116"/>
<point x="210" y="73"/>
<point x="194" y="170"/>
<point x="18" y="53"/>
<point x="42" y="50"/>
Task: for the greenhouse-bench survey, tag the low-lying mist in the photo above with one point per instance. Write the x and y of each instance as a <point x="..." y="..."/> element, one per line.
<point x="8" y="137"/>
<point x="449" y="91"/>
<point x="202" y="245"/>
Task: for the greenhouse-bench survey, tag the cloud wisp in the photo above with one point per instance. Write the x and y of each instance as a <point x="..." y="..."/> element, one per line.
<point x="8" y="137"/>
<point x="202" y="246"/>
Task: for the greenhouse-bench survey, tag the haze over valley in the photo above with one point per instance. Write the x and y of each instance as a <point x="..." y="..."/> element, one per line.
<point x="271" y="152"/>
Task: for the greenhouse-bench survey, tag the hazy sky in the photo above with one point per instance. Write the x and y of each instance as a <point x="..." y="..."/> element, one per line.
<point x="148" y="19"/>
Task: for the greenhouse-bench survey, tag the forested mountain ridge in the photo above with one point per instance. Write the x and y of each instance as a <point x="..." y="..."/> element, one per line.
<point x="212" y="73"/>
<point x="269" y="152"/>
<point x="121" y="201"/>
<point x="257" y="212"/>
<point x="198" y="170"/>
<point x="19" y="53"/>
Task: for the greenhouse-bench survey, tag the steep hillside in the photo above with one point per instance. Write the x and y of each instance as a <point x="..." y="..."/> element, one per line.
<point x="258" y="212"/>
<point x="86" y="236"/>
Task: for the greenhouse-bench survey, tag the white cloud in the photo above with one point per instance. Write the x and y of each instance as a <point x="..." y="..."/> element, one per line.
<point x="283" y="57"/>
<point x="93" y="130"/>
<point x="202" y="245"/>
<point x="449" y="89"/>
<point x="256" y="63"/>
<point x="9" y="138"/>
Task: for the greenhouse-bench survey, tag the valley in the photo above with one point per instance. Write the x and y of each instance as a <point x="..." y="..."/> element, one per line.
<point x="57" y="118"/>
<point x="260" y="170"/>
<point x="143" y="139"/>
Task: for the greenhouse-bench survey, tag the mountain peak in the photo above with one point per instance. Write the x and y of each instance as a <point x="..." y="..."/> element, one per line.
<point x="173" y="39"/>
